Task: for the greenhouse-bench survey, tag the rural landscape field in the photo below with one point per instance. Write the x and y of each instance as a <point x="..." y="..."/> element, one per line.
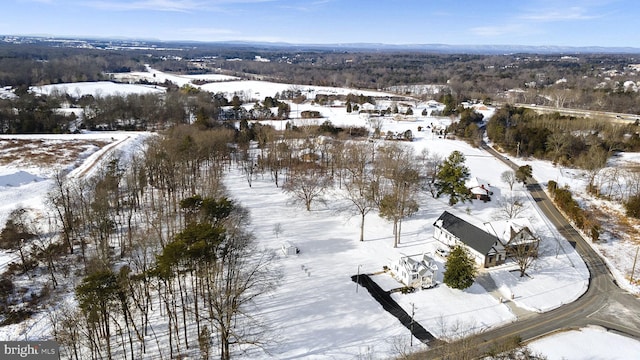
<point x="251" y="179"/>
<point x="314" y="309"/>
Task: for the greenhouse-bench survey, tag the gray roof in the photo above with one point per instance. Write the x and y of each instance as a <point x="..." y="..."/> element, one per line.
<point x="474" y="237"/>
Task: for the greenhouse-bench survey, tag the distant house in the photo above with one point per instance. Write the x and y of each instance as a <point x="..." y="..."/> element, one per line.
<point x="515" y="235"/>
<point x="417" y="273"/>
<point x="367" y="107"/>
<point x="480" y="107"/>
<point x="486" y="249"/>
<point x="479" y="189"/>
<point x="310" y="114"/>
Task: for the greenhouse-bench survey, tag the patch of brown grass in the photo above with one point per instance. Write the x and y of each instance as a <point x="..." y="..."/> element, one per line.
<point x="618" y="224"/>
<point x="45" y="153"/>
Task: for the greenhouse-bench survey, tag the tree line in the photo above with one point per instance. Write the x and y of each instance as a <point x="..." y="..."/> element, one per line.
<point x="159" y="258"/>
<point x="27" y="65"/>
<point x="587" y="81"/>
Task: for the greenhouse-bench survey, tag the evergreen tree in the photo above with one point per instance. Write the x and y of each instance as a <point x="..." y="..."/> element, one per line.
<point x="523" y="173"/>
<point x="451" y="178"/>
<point x="97" y="296"/>
<point x="461" y="269"/>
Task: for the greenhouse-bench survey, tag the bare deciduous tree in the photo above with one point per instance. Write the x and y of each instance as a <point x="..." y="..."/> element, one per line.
<point x="397" y="197"/>
<point x="523" y="252"/>
<point x="359" y="185"/>
<point x="240" y="273"/>
<point x="511" y="206"/>
<point x="376" y="123"/>
<point x="307" y="183"/>
<point x="593" y="161"/>
<point x="430" y="164"/>
<point x="509" y="177"/>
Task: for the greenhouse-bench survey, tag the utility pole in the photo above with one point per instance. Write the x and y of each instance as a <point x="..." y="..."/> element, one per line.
<point x="633" y="269"/>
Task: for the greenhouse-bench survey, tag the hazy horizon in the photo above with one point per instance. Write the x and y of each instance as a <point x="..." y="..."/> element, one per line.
<point x="600" y="23"/>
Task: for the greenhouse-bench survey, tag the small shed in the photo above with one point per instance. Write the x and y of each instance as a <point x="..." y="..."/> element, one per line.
<point x="289" y="249"/>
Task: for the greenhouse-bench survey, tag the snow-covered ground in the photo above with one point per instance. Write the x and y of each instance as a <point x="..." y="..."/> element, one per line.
<point x="616" y="246"/>
<point x="24" y="183"/>
<point x="589" y="343"/>
<point x="318" y="312"/>
<point x="154" y="76"/>
<point x="331" y="254"/>
<point x="216" y="83"/>
<point x="97" y="89"/>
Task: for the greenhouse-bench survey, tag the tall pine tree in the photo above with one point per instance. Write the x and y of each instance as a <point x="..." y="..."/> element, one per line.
<point x="451" y="179"/>
<point x="461" y="269"/>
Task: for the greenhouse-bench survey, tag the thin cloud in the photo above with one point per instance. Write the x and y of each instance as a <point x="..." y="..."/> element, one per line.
<point x="169" y="5"/>
<point x="157" y="5"/>
<point x="307" y="7"/>
<point x="572" y="13"/>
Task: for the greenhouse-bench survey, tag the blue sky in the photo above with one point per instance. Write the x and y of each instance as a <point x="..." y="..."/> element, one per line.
<point x="463" y="22"/>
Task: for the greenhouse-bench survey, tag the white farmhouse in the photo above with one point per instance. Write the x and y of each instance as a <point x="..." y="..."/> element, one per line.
<point x="485" y="248"/>
<point x="416" y="273"/>
<point x="516" y="235"/>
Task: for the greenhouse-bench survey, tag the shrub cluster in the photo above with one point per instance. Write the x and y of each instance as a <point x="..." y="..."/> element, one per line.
<point x="632" y="206"/>
<point x="564" y="200"/>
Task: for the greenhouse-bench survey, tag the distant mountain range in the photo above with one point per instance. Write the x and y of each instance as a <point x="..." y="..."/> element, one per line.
<point x="433" y="48"/>
<point x="452" y="49"/>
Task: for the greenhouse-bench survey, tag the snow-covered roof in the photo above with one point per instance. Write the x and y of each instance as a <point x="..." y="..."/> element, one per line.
<point x="422" y="267"/>
<point x="504" y="229"/>
<point x="367" y="106"/>
<point x="478" y="186"/>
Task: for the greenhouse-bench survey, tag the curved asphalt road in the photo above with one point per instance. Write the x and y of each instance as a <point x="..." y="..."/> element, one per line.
<point x="603" y="304"/>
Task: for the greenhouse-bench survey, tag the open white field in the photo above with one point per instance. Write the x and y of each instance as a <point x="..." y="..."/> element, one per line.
<point x="317" y="312"/>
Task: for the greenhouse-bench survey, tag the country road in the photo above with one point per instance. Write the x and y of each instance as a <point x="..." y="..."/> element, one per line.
<point x="604" y="303"/>
<point x="621" y="118"/>
<point x="89" y="165"/>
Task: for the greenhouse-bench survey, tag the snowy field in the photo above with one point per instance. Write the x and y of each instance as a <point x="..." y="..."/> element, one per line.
<point x="591" y="343"/>
<point x="318" y="312"/>
<point x="331" y="254"/>
<point x="154" y="76"/>
<point x="97" y="89"/>
<point x="216" y="83"/>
